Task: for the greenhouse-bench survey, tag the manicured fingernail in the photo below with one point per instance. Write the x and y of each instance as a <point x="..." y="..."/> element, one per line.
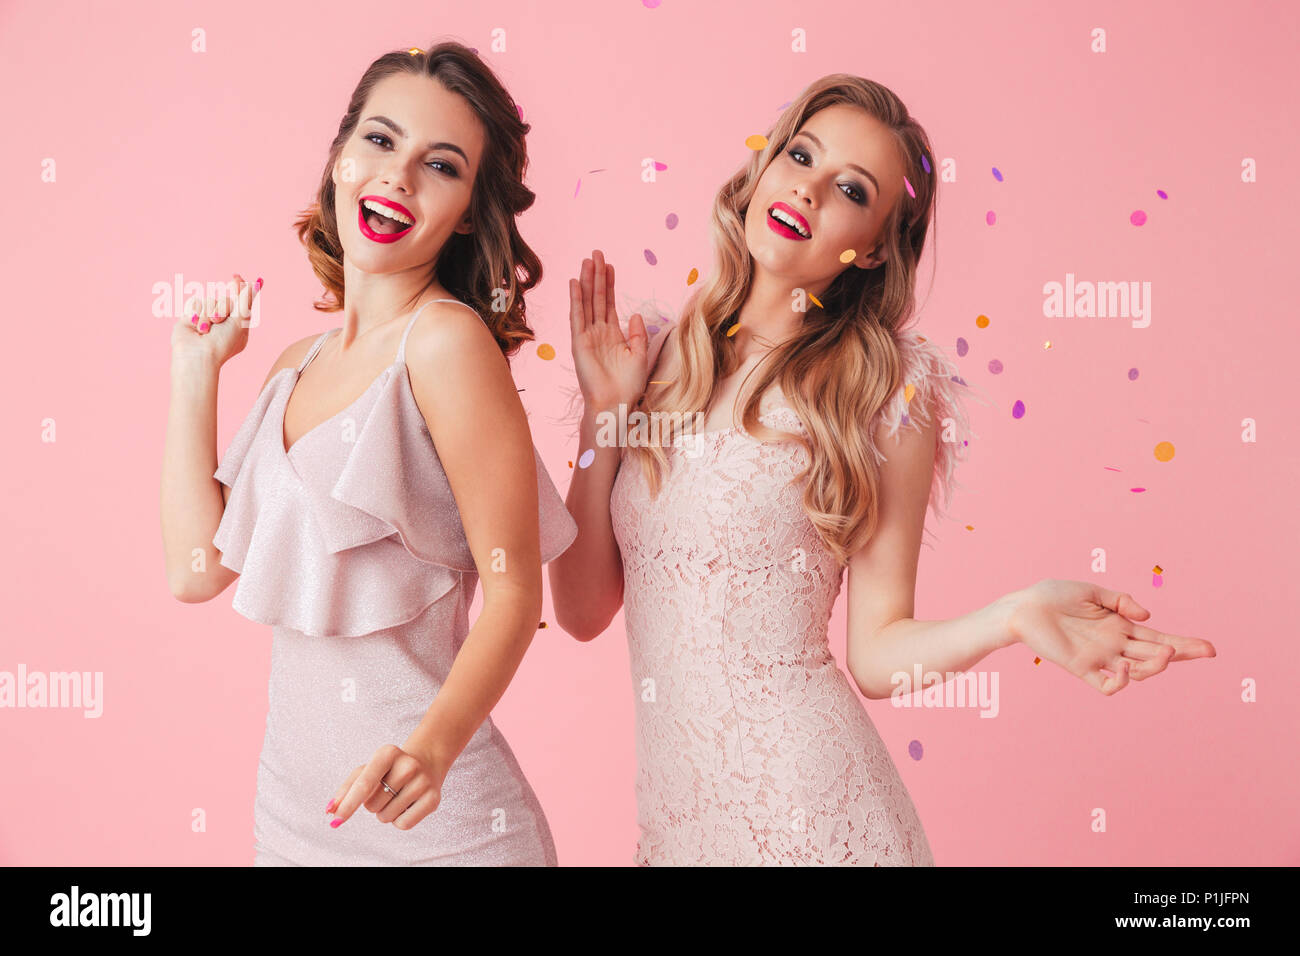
<point x="336" y="821"/>
<point x="204" y="326"/>
<point x="329" y="806"/>
<point x="194" y="319"/>
<point x="258" y="284"/>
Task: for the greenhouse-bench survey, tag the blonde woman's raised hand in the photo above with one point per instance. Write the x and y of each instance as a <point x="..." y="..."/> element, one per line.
<point x="215" y="330"/>
<point x="612" y="369"/>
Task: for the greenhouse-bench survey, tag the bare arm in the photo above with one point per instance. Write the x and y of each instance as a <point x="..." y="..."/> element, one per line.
<point x="463" y="387"/>
<point x="192" y="501"/>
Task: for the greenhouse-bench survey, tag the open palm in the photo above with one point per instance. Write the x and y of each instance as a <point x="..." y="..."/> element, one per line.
<point x="611" y="369"/>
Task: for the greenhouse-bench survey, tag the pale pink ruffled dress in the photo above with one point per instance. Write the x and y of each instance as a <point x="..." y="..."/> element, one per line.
<point x="351" y="547"/>
<point x="752" y="747"/>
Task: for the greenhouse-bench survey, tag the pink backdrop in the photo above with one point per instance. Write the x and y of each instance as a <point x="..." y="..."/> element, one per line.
<point x="170" y="161"/>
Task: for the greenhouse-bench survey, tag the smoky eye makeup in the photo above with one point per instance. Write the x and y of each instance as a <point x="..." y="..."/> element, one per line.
<point x="862" y="199"/>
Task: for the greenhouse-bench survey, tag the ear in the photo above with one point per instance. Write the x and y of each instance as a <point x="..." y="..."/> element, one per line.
<point x="464" y="227"/>
<point x="875" y="258"/>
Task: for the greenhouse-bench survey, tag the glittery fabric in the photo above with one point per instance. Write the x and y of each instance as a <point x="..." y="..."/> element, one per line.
<point x="351" y="547"/>
<point x="752" y="747"/>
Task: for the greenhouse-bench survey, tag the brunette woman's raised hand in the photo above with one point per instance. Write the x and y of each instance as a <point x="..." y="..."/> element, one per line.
<point x="612" y="370"/>
<point x="217" y="329"/>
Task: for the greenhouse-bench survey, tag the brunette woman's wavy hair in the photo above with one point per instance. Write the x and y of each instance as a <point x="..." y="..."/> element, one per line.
<point x="844" y="365"/>
<point x="491" y="268"/>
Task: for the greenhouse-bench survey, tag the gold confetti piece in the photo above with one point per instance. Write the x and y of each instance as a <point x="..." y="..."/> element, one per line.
<point x="546" y="351"/>
<point x="847" y="256"/>
<point x="570" y="464"/>
<point x="1038" y="660"/>
<point x="756" y="142"/>
<point x="908" y="391"/>
<point x="982" y="322"/>
<point x="690" y="279"/>
<point x="816" y="301"/>
<point x="1047" y="344"/>
<point x="541" y="625"/>
<point x="970" y="527"/>
<point x="1165" y="451"/>
<point x="1158" y="569"/>
<point x="415" y="51"/>
<point x="733" y="330"/>
<point x="662" y="382"/>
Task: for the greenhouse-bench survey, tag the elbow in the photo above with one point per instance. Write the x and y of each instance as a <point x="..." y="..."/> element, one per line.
<point x="865" y="683"/>
<point x="184" y="590"/>
<point x="579" y="628"/>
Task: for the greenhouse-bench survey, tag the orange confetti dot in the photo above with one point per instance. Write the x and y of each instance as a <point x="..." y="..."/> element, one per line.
<point x="970" y="527"/>
<point x="1038" y="660"/>
<point x="570" y="464"/>
<point x="733" y="330"/>
<point x="847" y="256"/>
<point x="756" y="142"/>
<point x="908" y="392"/>
<point x="982" y="322"/>
<point x="1158" y="569"/>
<point x="546" y="351"/>
<point x="1165" y="451"/>
<point x="1047" y="344"/>
<point x="816" y="301"/>
<point x="690" y="279"/>
<point x="415" y="51"/>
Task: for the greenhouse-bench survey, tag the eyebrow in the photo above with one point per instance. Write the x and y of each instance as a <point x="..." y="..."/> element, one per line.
<point x="384" y="120"/>
<point x="803" y="132"/>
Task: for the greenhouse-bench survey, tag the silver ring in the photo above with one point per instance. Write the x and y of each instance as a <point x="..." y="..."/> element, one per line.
<point x="388" y="788"/>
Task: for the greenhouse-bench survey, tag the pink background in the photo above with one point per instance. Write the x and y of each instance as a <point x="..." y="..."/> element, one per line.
<point x="170" y="161"/>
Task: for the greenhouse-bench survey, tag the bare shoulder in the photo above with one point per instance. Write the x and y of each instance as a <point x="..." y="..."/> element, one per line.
<point x="449" y="337"/>
<point x="292" y="356"/>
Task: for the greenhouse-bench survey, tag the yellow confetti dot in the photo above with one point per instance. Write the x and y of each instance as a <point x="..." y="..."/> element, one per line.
<point x="982" y="322"/>
<point x="1047" y="344"/>
<point x="733" y="330"/>
<point x="1038" y="660"/>
<point x="816" y="301"/>
<point x="908" y="391"/>
<point x="1158" y="569"/>
<point x="847" y="256"/>
<point x="1165" y="451"/>
<point x="662" y="381"/>
<point x="690" y="279"/>
<point x="546" y="351"/>
<point x="415" y="51"/>
<point x="756" y="142"/>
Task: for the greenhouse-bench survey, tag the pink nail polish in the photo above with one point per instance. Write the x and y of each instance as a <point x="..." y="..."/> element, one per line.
<point x="194" y="319"/>
<point x="204" y="326"/>
<point x="336" y="821"/>
<point x="258" y="284"/>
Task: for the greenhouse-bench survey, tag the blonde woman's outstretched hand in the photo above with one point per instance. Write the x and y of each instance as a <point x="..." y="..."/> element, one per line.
<point x="611" y="369"/>
<point x="1087" y="629"/>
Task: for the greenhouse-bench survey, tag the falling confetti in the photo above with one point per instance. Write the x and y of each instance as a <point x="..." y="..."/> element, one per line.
<point x="910" y="191"/>
<point x="1157" y="581"/>
<point x="660" y="166"/>
<point x="733" y="330"/>
<point x="908" y="391"/>
<point x="847" y="256"/>
<point x="586" y="458"/>
<point x="1047" y="346"/>
<point x="650" y="258"/>
<point x="925" y="162"/>
<point x="995" y="367"/>
<point x="1165" y="451"/>
<point x="1132" y="375"/>
<point x="546" y="351"/>
<point x="652" y="330"/>
<point x="990" y="217"/>
<point x="1138" y="218"/>
<point x="914" y="750"/>
<point x="671" y="221"/>
<point x="981" y="321"/>
<point x="1137" y="490"/>
<point x="816" y="301"/>
<point x="649" y="4"/>
<point x="1018" y="409"/>
<point x="1038" y="660"/>
<point x="970" y="527"/>
<point x="1157" y="570"/>
<point x="997" y="174"/>
<point x="962" y="347"/>
<point x="541" y="625"/>
<point x="694" y="274"/>
<point x="757" y="142"/>
<point x="577" y="187"/>
<point x="1162" y="194"/>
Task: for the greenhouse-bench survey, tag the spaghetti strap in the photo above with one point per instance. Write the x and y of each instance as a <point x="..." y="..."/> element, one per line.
<point x="401" y="349"/>
<point x="314" y="349"/>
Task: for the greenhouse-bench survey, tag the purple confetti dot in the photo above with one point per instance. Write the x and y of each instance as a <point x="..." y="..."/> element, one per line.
<point x="586" y="458"/>
<point x="962" y="347"/>
<point x="1018" y="409"/>
<point x="925" y="163"/>
<point x="990" y="217"/>
<point x="1162" y="194"/>
<point x="652" y="330"/>
<point x="995" y="367"/>
<point x="1132" y="375"/>
<point x="997" y="174"/>
<point x="959" y="380"/>
<point x="914" y="750"/>
<point x="671" y="221"/>
<point x="905" y="421"/>
<point x="1138" y="217"/>
<point x="650" y="258"/>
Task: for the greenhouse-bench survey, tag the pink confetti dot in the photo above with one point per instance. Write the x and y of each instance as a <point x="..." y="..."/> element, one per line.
<point x="990" y="217"/>
<point x="1137" y="490"/>
<point x="1138" y="218"/>
<point x="1018" y="409"/>
<point x="995" y="367"/>
<point x="660" y="166"/>
<point x="671" y="221"/>
<point x="1156" y="581"/>
<point x="914" y="750"/>
<point x="962" y="346"/>
<point x="650" y="258"/>
<point x="910" y="191"/>
<point x="649" y="4"/>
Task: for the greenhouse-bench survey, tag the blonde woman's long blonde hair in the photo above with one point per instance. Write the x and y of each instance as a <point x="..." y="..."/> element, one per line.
<point x="844" y="365"/>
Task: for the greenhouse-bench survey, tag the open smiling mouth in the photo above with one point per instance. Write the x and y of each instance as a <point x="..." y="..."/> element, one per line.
<point x="383" y="221"/>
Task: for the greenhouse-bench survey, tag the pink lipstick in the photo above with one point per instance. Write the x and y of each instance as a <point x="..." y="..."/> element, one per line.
<point x="784" y="228"/>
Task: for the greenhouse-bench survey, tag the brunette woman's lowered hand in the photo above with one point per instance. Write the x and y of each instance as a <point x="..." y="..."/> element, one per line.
<point x="611" y="369"/>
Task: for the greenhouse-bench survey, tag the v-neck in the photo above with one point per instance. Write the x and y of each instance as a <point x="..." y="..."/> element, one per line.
<point x="284" y="408"/>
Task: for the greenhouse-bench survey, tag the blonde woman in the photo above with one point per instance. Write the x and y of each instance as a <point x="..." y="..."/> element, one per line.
<point x="795" y="429"/>
<point x="384" y="470"/>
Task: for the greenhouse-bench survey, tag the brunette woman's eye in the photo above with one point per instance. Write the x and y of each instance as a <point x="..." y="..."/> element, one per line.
<point x="447" y="167"/>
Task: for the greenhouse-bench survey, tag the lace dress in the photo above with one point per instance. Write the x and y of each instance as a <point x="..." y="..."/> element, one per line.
<point x="752" y="747"/>
<point x="351" y="547"/>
